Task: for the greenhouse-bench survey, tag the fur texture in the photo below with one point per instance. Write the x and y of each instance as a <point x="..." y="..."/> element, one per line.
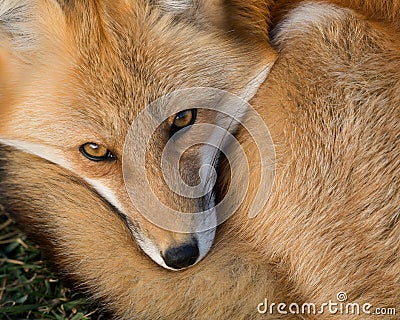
<point x="386" y="12"/>
<point x="331" y="102"/>
<point x="96" y="65"/>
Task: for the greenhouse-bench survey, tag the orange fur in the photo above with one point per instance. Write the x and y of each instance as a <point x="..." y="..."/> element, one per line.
<point x="332" y="105"/>
<point x="331" y="102"/>
<point x="97" y="65"/>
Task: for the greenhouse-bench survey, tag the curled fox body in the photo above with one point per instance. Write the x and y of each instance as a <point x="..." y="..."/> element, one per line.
<point x="330" y="101"/>
<point x="103" y="63"/>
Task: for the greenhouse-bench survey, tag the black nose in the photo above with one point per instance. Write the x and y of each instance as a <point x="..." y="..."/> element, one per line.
<point x="181" y="257"/>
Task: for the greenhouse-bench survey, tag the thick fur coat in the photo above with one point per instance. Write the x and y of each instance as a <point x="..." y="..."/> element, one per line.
<point x="331" y="102"/>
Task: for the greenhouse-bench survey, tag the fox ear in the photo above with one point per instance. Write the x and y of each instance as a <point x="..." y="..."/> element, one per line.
<point x="22" y="21"/>
<point x="23" y="31"/>
<point x="246" y="20"/>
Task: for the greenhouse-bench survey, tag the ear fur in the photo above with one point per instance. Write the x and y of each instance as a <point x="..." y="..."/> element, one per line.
<point x="23" y="24"/>
<point x="16" y="22"/>
<point x="23" y="31"/>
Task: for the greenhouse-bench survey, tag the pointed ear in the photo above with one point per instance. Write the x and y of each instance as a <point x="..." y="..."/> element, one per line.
<point x="246" y="20"/>
<point x="34" y="41"/>
<point x="24" y="24"/>
<point x="21" y="36"/>
<point x="16" y="22"/>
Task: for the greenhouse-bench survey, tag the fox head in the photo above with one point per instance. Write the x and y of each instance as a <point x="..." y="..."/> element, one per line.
<point x="82" y="71"/>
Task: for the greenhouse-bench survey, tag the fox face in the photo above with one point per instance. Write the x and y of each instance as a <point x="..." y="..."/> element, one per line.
<point x="85" y="70"/>
<point x="332" y="104"/>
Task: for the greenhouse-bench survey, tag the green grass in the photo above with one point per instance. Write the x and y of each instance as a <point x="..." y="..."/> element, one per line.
<point x="28" y="289"/>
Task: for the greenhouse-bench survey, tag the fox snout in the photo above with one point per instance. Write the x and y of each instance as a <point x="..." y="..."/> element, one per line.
<point x="173" y="250"/>
<point x="182" y="256"/>
<point x="184" y="250"/>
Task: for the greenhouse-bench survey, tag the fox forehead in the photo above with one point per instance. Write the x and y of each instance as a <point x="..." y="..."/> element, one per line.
<point x="137" y="61"/>
<point x="101" y="62"/>
<point x="143" y="54"/>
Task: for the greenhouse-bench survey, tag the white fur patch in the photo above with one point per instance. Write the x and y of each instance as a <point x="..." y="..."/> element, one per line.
<point x="151" y="250"/>
<point x="251" y="89"/>
<point x="105" y="192"/>
<point x="145" y="244"/>
<point x="205" y="240"/>
<point x="309" y="14"/>
<point x="175" y="6"/>
<point x="40" y="150"/>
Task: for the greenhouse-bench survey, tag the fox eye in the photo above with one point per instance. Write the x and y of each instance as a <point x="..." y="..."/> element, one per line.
<point x="96" y="152"/>
<point x="183" y="119"/>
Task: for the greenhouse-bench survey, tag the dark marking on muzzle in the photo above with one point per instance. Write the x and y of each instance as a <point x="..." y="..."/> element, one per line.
<point x="182" y="256"/>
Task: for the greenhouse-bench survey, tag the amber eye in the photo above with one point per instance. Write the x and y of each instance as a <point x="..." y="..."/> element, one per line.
<point x="96" y="152"/>
<point x="183" y="119"/>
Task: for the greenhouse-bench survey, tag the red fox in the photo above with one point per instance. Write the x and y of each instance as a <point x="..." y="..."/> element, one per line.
<point x="326" y="84"/>
<point x="93" y="68"/>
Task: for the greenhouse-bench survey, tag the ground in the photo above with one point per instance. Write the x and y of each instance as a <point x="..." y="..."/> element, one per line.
<point x="28" y="289"/>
